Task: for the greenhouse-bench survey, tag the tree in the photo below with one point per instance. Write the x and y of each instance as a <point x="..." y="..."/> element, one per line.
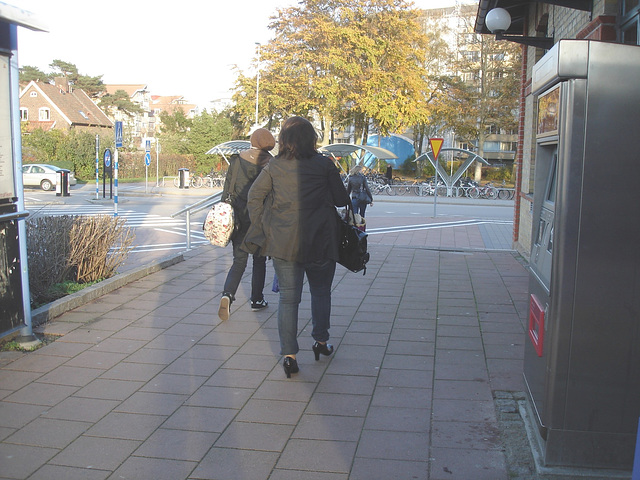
<point x="29" y="73"/>
<point x="194" y="137"/>
<point x="93" y="86"/>
<point x="120" y="101"/>
<point x="343" y="61"/>
<point x="490" y="94"/>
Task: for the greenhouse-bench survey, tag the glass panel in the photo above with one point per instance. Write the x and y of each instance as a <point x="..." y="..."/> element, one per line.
<point x="630" y="34"/>
<point x="628" y="6"/>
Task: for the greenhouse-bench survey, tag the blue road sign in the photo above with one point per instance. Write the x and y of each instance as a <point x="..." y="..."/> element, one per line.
<point x="107" y="158"/>
<point x="147" y="159"/>
<point x="118" y="134"/>
<point x="147" y="146"/>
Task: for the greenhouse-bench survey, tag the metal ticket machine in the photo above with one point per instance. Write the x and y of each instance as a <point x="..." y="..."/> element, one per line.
<point x="582" y="359"/>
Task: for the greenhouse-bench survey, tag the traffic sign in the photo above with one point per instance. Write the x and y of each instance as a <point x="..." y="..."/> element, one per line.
<point x="147" y="159"/>
<point x="436" y="145"/>
<point x="118" y="134"/>
<point x="107" y="158"/>
<point x="147" y="147"/>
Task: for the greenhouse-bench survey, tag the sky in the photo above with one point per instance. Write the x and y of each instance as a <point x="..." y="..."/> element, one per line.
<point x="186" y="48"/>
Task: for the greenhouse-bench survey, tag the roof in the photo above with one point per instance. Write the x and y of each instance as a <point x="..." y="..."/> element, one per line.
<point x="346" y="149"/>
<point x="76" y="107"/>
<point x="129" y="89"/>
<point x="518" y="11"/>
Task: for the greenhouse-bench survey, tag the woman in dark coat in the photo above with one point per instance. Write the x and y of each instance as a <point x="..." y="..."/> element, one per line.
<point x="293" y="200"/>
<point x="244" y="169"/>
<point x="358" y="188"/>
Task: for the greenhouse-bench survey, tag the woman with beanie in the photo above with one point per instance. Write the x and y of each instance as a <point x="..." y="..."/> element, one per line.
<point x="242" y="172"/>
<point x="292" y="209"/>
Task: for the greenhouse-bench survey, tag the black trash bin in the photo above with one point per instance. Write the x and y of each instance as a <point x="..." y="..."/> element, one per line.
<point x="183" y="174"/>
<point x="62" y="185"/>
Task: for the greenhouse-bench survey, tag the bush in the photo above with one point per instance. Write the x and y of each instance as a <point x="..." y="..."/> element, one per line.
<point x="73" y="248"/>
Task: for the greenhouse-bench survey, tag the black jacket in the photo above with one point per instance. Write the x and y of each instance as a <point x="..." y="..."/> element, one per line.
<point x="358" y="183"/>
<point x="245" y="174"/>
<point x="292" y="209"/>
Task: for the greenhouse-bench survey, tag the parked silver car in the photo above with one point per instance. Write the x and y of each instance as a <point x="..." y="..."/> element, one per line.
<point x="43" y="176"/>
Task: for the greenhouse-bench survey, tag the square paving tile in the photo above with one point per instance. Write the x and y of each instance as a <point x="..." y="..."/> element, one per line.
<point x="201" y="419"/>
<point x="255" y="436"/>
<point x="325" y="427"/>
<point x="48" y="432"/>
<point x="376" y="468"/>
<point x="81" y="409"/>
<point x="47" y="472"/>
<point x="20" y="461"/>
<point x="96" y="452"/>
<point x="318" y="456"/>
<point x="177" y="444"/>
<point x="272" y="411"/>
<point x="478" y="464"/>
<point x="126" y="426"/>
<point x="234" y="464"/>
<point x="41" y="394"/>
<point x="410" y="446"/>
<point x="154" y="468"/>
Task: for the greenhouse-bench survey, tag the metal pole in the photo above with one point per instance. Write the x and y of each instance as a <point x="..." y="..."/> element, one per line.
<point x="26" y="332"/>
<point x="257" y="84"/>
<point x="157" y="163"/>
<point x="435" y="192"/>
<point x="97" y="167"/>
<point x="188" y="229"/>
<point x="115" y="182"/>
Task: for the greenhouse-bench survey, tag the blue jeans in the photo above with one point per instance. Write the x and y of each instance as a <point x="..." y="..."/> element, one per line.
<point x="291" y="276"/>
<point x="359" y="207"/>
<point x="258" y="274"/>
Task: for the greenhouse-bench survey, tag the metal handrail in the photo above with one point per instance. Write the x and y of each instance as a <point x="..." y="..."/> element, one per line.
<point x="13" y="216"/>
<point x="196" y="207"/>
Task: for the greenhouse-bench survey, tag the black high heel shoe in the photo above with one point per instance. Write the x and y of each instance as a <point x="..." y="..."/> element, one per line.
<point x="290" y="366"/>
<point x="322" y="348"/>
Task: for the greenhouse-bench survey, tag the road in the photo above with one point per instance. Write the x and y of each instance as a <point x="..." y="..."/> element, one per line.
<point x="148" y="212"/>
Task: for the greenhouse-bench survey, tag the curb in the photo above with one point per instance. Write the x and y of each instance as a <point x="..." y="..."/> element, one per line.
<point x="56" y="308"/>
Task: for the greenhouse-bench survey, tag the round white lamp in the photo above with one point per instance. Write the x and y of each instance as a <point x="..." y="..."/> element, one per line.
<point x="498" y="20"/>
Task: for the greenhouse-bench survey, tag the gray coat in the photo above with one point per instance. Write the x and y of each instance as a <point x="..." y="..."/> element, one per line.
<point x="292" y="209"/>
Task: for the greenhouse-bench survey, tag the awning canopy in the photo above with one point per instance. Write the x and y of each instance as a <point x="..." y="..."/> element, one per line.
<point x="232" y="147"/>
<point x="347" y="149"/>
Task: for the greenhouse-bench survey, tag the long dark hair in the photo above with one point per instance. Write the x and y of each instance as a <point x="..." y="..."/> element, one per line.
<point x="297" y="138"/>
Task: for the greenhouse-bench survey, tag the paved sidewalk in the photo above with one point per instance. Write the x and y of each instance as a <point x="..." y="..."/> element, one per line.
<point x="145" y="382"/>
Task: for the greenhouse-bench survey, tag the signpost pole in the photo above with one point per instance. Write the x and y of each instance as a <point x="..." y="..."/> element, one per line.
<point x="115" y="167"/>
<point x="436" y="145"/>
<point x="97" y="167"/>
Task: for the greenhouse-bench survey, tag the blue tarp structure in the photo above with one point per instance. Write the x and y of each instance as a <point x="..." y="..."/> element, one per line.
<point x="401" y="146"/>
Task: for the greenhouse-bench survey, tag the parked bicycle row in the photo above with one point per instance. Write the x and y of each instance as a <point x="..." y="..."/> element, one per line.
<point x="423" y="189"/>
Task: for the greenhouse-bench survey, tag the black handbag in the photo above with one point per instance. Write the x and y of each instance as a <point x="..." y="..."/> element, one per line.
<point x="352" y="244"/>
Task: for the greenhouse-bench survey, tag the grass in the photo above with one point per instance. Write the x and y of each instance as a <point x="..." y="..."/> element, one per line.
<point x="60" y="290"/>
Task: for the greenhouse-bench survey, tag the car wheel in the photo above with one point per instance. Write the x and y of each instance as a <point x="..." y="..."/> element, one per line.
<point x="46" y="185"/>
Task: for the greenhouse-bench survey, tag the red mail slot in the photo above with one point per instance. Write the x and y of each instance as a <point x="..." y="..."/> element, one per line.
<point x="536" y="324"/>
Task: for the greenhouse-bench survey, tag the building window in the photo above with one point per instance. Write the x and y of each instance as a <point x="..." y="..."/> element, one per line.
<point x="630" y="24"/>
<point x="33" y="94"/>
<point x="44" y="114"/>
<point x="24" y="114"/>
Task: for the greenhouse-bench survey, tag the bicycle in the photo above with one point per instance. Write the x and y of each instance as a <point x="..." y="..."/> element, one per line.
<point x="485" y="191"/>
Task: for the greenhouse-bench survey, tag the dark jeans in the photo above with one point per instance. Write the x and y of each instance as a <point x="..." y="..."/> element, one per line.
<point x="359" y="207"/>
<point x="291" y="277"/>
<point x="258" y="273"/>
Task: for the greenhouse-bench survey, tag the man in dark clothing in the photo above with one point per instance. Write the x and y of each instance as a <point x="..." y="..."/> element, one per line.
<point x="242" y="172"/>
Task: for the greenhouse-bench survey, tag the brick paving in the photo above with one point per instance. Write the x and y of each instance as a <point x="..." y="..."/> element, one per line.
<point x="145" y="382"/>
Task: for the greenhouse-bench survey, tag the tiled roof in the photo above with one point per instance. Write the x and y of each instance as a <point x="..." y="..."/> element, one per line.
<point x="130" y="89"/>
<point x="76" y="106"/>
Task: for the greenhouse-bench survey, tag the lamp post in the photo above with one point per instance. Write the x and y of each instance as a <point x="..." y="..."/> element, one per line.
<point x="255" y="126"/>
